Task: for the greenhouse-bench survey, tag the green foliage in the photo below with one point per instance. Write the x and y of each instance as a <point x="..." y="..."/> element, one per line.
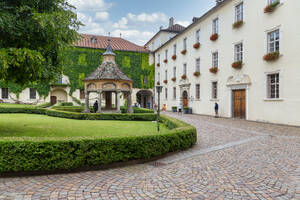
<point x="44" y="105"/>
<point x="49" y="154"/>
<point x="66" y="104"/>
<point x="32" y="36"/>
<point x="82" y="61"/>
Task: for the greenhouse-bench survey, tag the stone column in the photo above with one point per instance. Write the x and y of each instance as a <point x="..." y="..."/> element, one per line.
<point x="129" y="100"/>
<point x="87" y="103"/>
<point x="118" y="101"/>
<point x="99" y="102"/>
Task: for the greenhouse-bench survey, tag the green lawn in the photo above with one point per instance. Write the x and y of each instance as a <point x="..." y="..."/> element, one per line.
<point x="7" y="105"/>
<point x="29" y="125"/>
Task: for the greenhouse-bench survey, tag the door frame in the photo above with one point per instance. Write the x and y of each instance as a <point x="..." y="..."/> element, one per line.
<point x="231" y="100"/>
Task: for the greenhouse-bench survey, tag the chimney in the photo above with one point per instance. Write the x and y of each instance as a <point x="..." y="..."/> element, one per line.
<point x="171" y="22"/>
<point x="219" y="1"/>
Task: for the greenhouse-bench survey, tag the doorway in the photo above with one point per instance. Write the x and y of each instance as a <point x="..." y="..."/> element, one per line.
<point x="185" y="99"/>
<point x="53" y="100"/>
<point x="239" y="104"/>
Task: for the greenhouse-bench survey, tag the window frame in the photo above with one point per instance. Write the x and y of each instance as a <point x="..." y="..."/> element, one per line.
<point x="7" y="96"/>
<point x="198" y="60"/>
<point x="166" y="93"/>
<point x="32" y="94"/>
<point x="174" y="71"/>
<point x="185" y="43"/>
<point x="158" y="76"/>
<point x="239" y="16"/>
<point x="215" y="26"/>
<point x="166" y="74"/>
<point x="174" y="49"/>
<point x="215" y="60"/>
<point x="166" y="54"/>
<point x="197" y="91"/>
<point x="269" y="42"/>
<point x="174" y="93"/>
<point x="276" y="84"/>
<point x="81" y="92"/>
<point x="198" y="36"/>
<point x="214" y="90"/>
<point x="184" y="71"/>
<point x="238" y="55"/>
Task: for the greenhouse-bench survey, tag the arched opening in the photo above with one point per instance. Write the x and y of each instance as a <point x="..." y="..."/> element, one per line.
<point x="145" y="98"/>
<point x="185" y="99"/>
<point x="58" y="95"/>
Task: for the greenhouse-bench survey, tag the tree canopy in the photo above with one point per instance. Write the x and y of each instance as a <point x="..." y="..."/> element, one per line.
<point x="33" y="34"/>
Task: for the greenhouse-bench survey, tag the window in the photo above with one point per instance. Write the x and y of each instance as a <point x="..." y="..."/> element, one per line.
<point x="273" y="1"/>
<point x="198" y="36"/>
<point x="198" y="65"/>
<point x="239" y="13"/>
<point x="215" y="59"/>
<point x="166" y="54"/>
<point x="184" y="44"/>
<point x="158" y="58"/>
<point x="158" y="76"/>
<point x="166" y="93"/>
<point x="32" y="93"/>
<point x="166" y="75"/>
<point x="82" y="95"/>
<point x="174" y="92"/>
<point x="145" y="80"/>
<point x="273" y="41"/>
<point x="238" y="52"/>
<point x="60" y="80"/>
<point x="175" y="49"/>
<point x="184" y="69"/>
<point x="214" y="90"/>
<point x="174" y="71"/>
<point x="216" y="25"/>
<point x="4" y="93"/>
<point x="197" y="91"/>
<point x="273" y="86"/>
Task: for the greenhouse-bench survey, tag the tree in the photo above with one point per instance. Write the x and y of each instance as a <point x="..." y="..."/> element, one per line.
<point x="33" y="33"/>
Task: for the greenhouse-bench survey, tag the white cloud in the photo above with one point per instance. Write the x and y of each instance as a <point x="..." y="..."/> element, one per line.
<point x="122" y="23"/>
<point x="149" y="18"/>
<point x="135" y="36"/>
<point x="101" y="16"/>
<point x="88" y="5"/>
<point x="90" y="27"/>
<point x="183" y="23"/>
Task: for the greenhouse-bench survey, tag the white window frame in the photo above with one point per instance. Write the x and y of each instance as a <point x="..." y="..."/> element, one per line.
<point x="30" y="97"/>
<point x="215" y="60"/>
<point x="239" y="16"/>
<point x="166" y="93"/>
<point x="174" y="93"/>
<point x="215" y="25"/>
<point x="174" y="72"/>
<point x="158" y="76"/>
<point x="197" y="90"/>
<point x="198" y="36"/>
<point x="280" y="86"/>
<point x="166" y="74"/>
<point x="269" y="2"/>
<point x="274" y="42"/>
<point x="184" y="71"/>
<point x="166" y="54"/>
<point x="238" y="55"/>
<point x="214" y="90"/>
<point x="158" y="58"/>
<point x="175" y="49"/>
<point x="198" y="60"/>
<point x="281" y="35"/>
<point x="184" y="43"/>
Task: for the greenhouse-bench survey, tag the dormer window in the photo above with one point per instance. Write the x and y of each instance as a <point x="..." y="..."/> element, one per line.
<point x="93" y="40"/>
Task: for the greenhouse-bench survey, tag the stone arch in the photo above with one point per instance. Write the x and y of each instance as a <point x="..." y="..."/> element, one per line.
<point x="91" y="86"/>
<point x="126" y="86"/>
<point x="109" y="85"/>
<point x="145" y="98"/>
<point x="58" y="95"/>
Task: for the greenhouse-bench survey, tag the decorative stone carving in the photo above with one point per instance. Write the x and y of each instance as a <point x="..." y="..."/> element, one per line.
<point x="125" y="86"/>
<point x="239" y="80"/>
<point x="91" y="86"/>
<point x="109" y="86"/>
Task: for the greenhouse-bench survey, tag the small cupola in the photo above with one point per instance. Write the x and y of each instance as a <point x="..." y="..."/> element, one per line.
<point x="109" y="55"/>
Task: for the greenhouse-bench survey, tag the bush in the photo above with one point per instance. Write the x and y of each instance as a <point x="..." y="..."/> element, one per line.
<point x="44" y="154"/>
<point x="66" y="104"/>
<point x="81" y="109"/>
<point x="43" y="105"/>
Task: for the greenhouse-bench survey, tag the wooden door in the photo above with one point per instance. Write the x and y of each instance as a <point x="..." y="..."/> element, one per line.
<point x="185" y="99"/>
<point x="53" y="100"/>
<point x="108" y="99"/>
<point x="239" y="104"/>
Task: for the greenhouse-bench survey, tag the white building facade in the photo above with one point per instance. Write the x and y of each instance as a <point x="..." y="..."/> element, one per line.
<point x="242" y="54"/>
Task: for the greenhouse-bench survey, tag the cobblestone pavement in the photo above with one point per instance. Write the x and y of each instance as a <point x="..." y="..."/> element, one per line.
<point x="233" y="159"/>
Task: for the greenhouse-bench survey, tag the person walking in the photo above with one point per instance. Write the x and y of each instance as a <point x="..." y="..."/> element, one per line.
<point x="180" y="108"/>
<point x="216" y="110"/>
<point x="95" y="106"/>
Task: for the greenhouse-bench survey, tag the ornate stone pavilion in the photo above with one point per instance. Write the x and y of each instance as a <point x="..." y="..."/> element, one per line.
<point x="108" y="80"/>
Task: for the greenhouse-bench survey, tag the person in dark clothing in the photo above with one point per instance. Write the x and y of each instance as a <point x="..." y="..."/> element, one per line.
<point x="217" y="109"/>
<point x="95" y="106"/>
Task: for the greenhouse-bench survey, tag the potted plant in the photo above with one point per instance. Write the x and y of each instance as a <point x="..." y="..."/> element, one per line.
<point x="271" y="7"/>
<point x="237" y="65"/>
<point x="183" y="52"/>
<point x="197" y="45"/>
<point x="174" y="108"/>
<point x="214" y="37"/>
<point x="183" y="76"/>
<point x="237" y="24"/>
<point x="174" y="57"/>
<point x="190" y="110"/>
<point x="197" y="74"/>
<point x="174" y="79"/>
<point x="271" y="56"/>
<point x="165" y="60"/>
<point x="158" y="64"/>
<point x="214" y="70"/>
<point x="165" y="81"/>
<point x="157" y="83"/>
<point x="186" y="110"/>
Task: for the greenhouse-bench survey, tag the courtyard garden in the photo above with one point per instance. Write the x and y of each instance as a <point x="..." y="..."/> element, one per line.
<point x="33" y="138"/>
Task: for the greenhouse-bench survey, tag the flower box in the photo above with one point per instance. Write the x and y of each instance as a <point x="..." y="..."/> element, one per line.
<point x="271" y="7"/>
<point x="174" y="57"/>
<point x="158" y="65"/>
<point x="237" y="65"/>
<point x="165" y="81"/>
<point x="157" y="83"/>
<point x="165" y="60"/>
<point x="183" y="76"/>
<point x="237" y="24"/>
<point x="186" y="110"/>
<point x="174" y="108"/>
<point x="197" y="45"/>
<point x="214" y="37"/>
<point x="197" y="74"/>
<point x="271" y="56"/>
<point x="173" y="79"/>
<point x="214" y="70"/>
<point x="183" y="52"/>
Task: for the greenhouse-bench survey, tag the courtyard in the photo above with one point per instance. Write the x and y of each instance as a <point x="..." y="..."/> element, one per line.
<point x="233" y="159"/>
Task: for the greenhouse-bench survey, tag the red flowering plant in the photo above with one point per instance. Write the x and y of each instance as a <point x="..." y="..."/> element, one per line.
<point x="165" y="81"/>
<point x="183" y="76"/>
<point x="157" y="83"/>
<point x="214" y="37"/>
<point x="197" y="45"/>
<point x="214" y="70"/>
<point x="173" y="79"/>
<point x="158" y="64"/>
<point x="271" y="7"/>
<point x="197" y="74"/>
<point x="237" y="24"/>
<point x="237" y="65"/>
<point x="183" y="52"/>
<point x="271" y="56"/>
<point x="174" y="57"/>
<point x="165" y="60"/>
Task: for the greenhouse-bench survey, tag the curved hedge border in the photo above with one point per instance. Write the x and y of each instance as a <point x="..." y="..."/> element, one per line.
<point x="49" y="154"/>
<point x="81" y="109"/>
<point x="81" y="116"/>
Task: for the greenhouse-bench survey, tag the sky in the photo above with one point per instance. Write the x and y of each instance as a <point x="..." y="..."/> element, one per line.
<point x="136" y="20"/>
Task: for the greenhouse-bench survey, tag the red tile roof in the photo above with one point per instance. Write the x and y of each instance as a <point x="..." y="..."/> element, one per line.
<point x="100" y="42"/>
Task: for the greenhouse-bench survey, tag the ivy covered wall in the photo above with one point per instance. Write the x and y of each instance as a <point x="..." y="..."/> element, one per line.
<point x="80" y="62"/>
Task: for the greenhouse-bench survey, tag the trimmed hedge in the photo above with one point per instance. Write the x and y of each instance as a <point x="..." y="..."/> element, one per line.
<point x="81" y="109"/>
<point x="49" y="154"/>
